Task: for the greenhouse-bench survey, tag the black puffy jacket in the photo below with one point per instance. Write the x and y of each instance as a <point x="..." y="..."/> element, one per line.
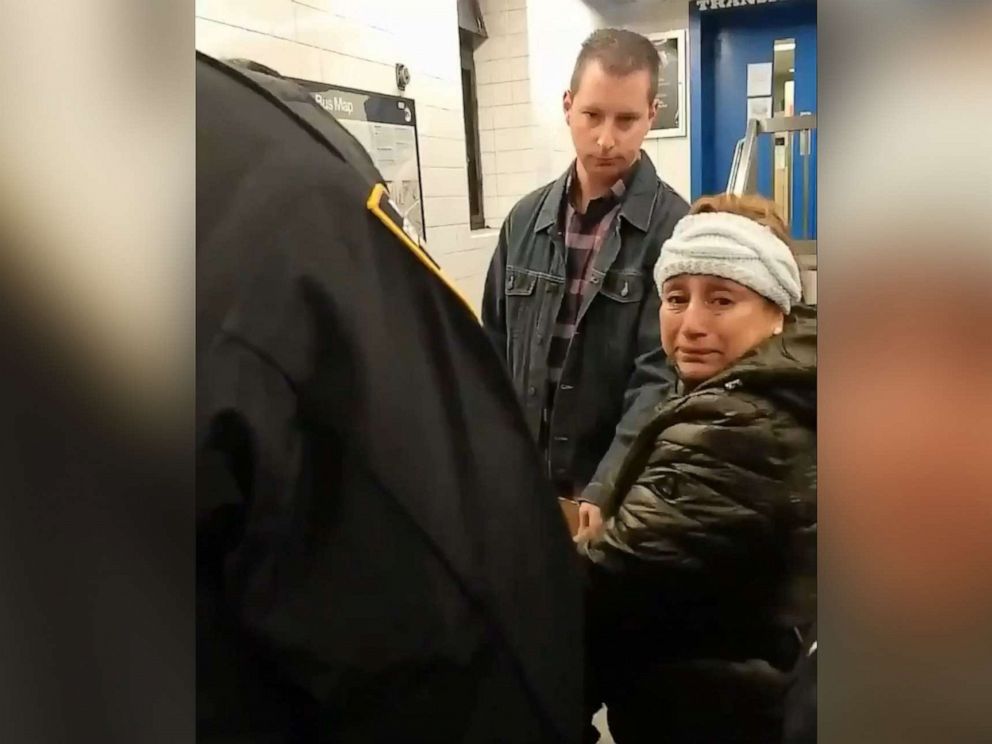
<point x="705" y="576"/>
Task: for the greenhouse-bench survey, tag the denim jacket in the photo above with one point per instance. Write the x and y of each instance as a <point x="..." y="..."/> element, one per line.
<point x="615" y="372"/>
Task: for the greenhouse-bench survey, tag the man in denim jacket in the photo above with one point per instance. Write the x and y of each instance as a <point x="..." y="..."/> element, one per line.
<point x="569" y="300"/>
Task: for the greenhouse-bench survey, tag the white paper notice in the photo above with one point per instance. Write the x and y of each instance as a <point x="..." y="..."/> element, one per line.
<point x="759" y="79"/>
<point x="759" y="108"/>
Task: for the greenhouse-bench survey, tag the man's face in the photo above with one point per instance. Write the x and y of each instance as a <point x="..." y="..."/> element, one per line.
<point x="609" y="117"/>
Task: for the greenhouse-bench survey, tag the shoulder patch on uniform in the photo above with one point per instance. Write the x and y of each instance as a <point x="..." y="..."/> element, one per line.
<point x="389" y="215"/>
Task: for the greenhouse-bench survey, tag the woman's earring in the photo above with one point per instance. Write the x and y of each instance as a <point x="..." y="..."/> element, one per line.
<point x="778" y="331"/>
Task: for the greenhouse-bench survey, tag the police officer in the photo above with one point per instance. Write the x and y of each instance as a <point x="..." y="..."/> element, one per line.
<point x="379" y="556"/>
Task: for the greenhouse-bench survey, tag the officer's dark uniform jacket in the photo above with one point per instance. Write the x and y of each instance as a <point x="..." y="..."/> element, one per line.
<point x="615" y="370"/>
<point x="379" y="556"/>
<point x="704" y="578"/>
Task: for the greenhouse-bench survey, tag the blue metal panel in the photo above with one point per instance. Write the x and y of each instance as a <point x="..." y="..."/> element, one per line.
<point x="723" y="43"/>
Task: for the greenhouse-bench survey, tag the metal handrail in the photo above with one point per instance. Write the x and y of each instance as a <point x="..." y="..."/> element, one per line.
<point x="743" y="177"/>
<point x="787" y="123"/>
<point x="743" y="171"/>
<point x="735" y="163"/>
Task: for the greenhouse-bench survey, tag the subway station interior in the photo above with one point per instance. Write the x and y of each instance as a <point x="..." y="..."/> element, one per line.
<point x="485" y="80"/>
<point x="501" y="166"/>
<point x="496" y="371"/>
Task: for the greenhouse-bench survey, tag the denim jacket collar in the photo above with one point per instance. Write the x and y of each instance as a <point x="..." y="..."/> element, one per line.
<point x="638" y="202"/>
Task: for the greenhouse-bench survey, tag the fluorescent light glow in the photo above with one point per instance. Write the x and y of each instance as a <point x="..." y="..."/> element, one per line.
<point x="784" y="46"/>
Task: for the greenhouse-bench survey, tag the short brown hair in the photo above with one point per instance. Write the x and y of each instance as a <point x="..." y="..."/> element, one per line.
<point x="620" y="52"/>
<point x="754" y="207"/>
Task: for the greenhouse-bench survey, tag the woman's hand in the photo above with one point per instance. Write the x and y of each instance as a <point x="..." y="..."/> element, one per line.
<point x="590" y="522"/>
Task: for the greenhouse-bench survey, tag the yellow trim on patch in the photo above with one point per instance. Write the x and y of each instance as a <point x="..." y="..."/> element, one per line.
<point x="378" y="191"/>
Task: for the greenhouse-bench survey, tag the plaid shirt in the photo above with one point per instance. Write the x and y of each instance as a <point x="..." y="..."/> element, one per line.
<point x="584" y="234"/>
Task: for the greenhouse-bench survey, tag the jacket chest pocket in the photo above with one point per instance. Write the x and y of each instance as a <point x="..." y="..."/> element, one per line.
<point x="618" y="314"/>
<point x="521" y="305"/>
<point x="626" y="288"/>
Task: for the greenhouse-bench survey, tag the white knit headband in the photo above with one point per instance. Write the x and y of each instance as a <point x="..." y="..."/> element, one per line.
<point x="732" y="247"/>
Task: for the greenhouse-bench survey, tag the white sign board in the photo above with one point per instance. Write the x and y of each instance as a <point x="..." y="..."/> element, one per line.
<point x="759" y="79"/>
<point x="759" y="108"/>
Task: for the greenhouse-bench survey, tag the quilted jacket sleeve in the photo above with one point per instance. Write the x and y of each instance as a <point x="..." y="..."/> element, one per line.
<point x="711" y="495"/>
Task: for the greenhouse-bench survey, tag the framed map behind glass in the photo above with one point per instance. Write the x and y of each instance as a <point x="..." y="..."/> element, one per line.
<point x="671" y="118"/>
<point x="387" y="128"/>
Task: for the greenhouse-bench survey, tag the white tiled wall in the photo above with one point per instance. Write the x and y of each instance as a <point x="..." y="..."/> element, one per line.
<point x="506" y="114"/>
<point x="357" y="44"/>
